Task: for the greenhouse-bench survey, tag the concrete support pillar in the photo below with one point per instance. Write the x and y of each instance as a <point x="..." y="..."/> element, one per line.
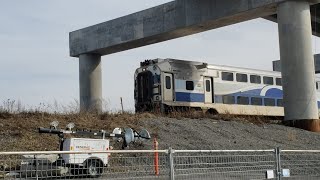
<point x="297" y="61"/>
<point x="90" y="82"/>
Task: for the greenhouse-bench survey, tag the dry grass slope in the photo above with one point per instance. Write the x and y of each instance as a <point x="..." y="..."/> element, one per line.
<point x="18" y="132"/>
<point x="180" y="130"/>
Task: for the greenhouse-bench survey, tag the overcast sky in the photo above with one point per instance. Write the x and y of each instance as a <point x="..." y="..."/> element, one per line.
<point x="35" y="66"/>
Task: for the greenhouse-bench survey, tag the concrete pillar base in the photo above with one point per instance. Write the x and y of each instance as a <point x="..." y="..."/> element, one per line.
<point x="310" y="125"/>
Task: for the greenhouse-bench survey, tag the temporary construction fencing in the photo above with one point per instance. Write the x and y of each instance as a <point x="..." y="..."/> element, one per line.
<point x="162" y="164"/>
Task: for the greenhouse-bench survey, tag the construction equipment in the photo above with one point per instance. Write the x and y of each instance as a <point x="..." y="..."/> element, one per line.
<point x="128" y="135"/>
<point x="90" y="164"/>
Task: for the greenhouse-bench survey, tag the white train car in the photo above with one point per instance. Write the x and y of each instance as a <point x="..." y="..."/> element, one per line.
<point x="164" y="84"/>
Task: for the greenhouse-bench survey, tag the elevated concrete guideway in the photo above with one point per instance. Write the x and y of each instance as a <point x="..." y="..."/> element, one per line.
<point x="169" y="21"/>
<point x="185" y="17"/>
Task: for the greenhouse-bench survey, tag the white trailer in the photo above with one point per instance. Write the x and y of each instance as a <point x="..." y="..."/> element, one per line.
<point x="88" y="164"/>
<point x="85" y="144"/>
<point x="72" y="164"/>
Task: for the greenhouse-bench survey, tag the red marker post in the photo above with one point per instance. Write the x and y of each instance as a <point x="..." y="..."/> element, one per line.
<point x="156" y="157"/>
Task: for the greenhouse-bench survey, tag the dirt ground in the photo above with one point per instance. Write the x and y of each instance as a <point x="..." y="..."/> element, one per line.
<point x="18" y="132"/>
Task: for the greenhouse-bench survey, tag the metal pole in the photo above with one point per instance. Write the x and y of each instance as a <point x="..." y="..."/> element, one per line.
<point x="121" y="105"/>
<point x="278" y="163"/>
<point x="36" y="161"/>
<point x="276" y="159"/>
<point x="171" y="163"/>
<point x="156" y="157"/>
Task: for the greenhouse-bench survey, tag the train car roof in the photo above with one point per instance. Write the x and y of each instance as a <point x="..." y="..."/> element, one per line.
<point x="222" y="67"/>
<point x="245" y="70"/>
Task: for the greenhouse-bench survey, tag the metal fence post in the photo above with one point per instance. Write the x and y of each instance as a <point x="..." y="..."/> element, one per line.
<point x="37" y="166"/>
<point x="278" y="163"/>
<point x="171" y="163"/>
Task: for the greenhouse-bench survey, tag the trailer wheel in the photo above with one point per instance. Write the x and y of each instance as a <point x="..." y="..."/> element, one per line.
<point x="93" y="168"/>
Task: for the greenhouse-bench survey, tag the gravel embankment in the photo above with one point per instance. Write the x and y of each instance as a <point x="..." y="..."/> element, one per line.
<point x="19" y="132"/>
<point x="218" y="134"/>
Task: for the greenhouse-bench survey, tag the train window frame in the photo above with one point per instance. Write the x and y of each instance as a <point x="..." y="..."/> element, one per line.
<point x="255" y="78"/>
<point x="225" y="76"/>
<point x="189" y="85"/>
<point x="266" y="78"/>
<point x="318" y="85"/>
<point x="280" y="101"/>
<point x="279" y="81"/>
<point x="266" y="103"/>
<point x="208" y="85"/>
<point x="243" y="100"/>
<point x="256" y="99"/>
<point x="226" y="99"/>
<point x="168" y="82"/>
<point x="241" y="77"/>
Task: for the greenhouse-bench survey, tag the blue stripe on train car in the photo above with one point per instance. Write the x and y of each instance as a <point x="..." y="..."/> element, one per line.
<point x="189" y="97"/>
<point x="253" y="92"/>
<point x="274" y="92"/>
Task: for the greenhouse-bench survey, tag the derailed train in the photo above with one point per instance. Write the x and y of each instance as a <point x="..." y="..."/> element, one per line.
<point x="165" y="84"/>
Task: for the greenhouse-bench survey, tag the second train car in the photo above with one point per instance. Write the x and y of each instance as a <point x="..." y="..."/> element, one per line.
<point x="166" y="84"/>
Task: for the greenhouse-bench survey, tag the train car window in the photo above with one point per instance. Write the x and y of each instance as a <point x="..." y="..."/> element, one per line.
<point x="255" y="79"/>
<point x="208" y="86"/>
<point x="228" y="100"/>
<point x="268" y="80"/>
<point x="242" y="78"/>
<point x="280" y="102"/>
<point x="256" y="101"/>
<point x="269" y="102"/>
<point x="279" y="81"/>
<point x="226" y="76"/>
<point x="243" y="100"/>
<point x="317" y="85"/>
<point x="189" y="85"/>
<point x="168" y="82"/>
<point x="156" y="78"/>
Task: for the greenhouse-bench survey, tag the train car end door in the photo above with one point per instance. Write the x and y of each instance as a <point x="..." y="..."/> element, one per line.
<point x="208" y="90"/>
<point x="168" y="87"/>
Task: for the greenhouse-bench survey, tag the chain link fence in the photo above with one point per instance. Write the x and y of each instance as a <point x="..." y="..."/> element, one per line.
<point x="162" y="164"/>
<point x="223" y="164"/>
<point x="301" y="164"/>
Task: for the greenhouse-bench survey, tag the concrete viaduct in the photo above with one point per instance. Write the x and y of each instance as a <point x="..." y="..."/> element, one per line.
<point x="296" y="20"/>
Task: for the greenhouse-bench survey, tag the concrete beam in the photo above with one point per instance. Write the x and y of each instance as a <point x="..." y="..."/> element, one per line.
<point x="168" y="21"/>
<point x="277" y="64"/>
